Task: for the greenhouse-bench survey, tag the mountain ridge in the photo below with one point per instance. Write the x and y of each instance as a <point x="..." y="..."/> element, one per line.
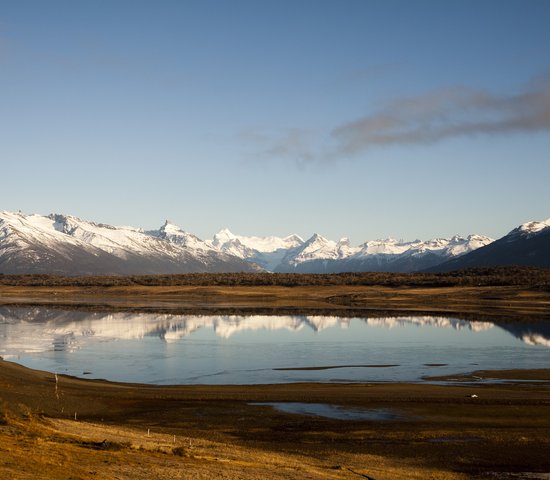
<point x="65" y="244"/>
<point x="526" y="245"/>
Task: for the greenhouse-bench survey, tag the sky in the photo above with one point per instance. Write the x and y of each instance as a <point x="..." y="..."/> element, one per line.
<point x="366" y="119"/>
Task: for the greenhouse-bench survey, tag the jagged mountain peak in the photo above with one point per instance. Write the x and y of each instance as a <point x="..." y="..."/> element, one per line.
<point x="170" y="228"/>
<point x="169" y="223"/>
<point x="317" y="238"/>
<point x="226" y="232"/>
<point x="294" y="238"/>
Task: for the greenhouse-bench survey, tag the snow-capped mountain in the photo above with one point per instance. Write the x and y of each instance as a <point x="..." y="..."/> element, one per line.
<point x="315" y="255"/>
<point x="66" y="245"/>
<point x="174" y="234"/>
<point x="63" y="244"/>
<point x="265" y="251"/>
<point x="319" y="255"/>
<point x="527" y="245"/>
<point x="529" y="229"/>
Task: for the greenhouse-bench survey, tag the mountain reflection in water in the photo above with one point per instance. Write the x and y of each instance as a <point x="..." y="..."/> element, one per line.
<point x="166" y="348"/>
<point x="37" y="329"/>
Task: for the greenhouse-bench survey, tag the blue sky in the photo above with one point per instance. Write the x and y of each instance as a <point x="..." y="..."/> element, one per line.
<point x="365" y="119"/>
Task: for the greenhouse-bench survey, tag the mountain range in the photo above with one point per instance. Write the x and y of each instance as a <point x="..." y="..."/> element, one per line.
<point x="527" y="245"/>
<point x="66" y="245"/>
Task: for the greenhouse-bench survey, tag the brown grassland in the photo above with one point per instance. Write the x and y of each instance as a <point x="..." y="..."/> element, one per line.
<point x="76" y="428"/>
<point x="505" y="293"/>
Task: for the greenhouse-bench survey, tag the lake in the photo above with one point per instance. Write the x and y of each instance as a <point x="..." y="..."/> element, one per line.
<point x="231" y="349"/>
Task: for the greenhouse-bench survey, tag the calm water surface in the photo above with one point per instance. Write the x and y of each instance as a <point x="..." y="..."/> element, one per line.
<point x="187" y="349"/>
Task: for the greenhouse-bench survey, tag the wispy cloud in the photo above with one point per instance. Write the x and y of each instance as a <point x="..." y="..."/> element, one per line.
<point x="423" y="119"/>
<point x="296" y="144"/>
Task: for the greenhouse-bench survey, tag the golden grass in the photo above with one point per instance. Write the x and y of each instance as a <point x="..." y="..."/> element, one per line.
<point x="491" y="303"/>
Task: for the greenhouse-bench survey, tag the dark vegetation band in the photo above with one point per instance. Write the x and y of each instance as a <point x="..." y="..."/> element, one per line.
<point x="490" y="276"/>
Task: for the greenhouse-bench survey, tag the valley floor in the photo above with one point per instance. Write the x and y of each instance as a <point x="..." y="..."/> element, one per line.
<point x="492" y="303"/>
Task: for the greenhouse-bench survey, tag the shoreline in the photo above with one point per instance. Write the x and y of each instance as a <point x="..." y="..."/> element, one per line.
<point x="131" y="430"/>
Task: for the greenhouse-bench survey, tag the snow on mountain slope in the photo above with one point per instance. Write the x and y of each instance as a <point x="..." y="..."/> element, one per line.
<point x="389" y="246"/>
<point x="68" y="245"/>
<point x="459" y="245"/>
<point x="30" y="240"/>
<point x="447" y="247"/>
<point x="526" y="245"/>
<point x="224" y="239"/>
<point x="344" y="248"/>
<point x="119" y="241"/>
<point x="63" y="244"/>
<point x="174" y="234"/>
<point x="265" y="251"/>
<point x="529" y="228"/>
<point x="316" y="249"/>
<point x="319" y="255"/>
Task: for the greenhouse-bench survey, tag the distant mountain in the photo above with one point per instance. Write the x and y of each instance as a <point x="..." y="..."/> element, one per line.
<point x="265" y="251"/>
<point x="66" y="245"/>
<point x="526" y="245"/>
<point x="319" y="255"/>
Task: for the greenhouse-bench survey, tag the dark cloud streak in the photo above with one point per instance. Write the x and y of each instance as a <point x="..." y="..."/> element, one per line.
<point x="446" y="114"/>
<point x="423" y="119"/>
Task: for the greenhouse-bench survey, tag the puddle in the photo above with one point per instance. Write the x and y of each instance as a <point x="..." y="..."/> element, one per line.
<point x="455" y="440"/>
<point x="335" y="412"/>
